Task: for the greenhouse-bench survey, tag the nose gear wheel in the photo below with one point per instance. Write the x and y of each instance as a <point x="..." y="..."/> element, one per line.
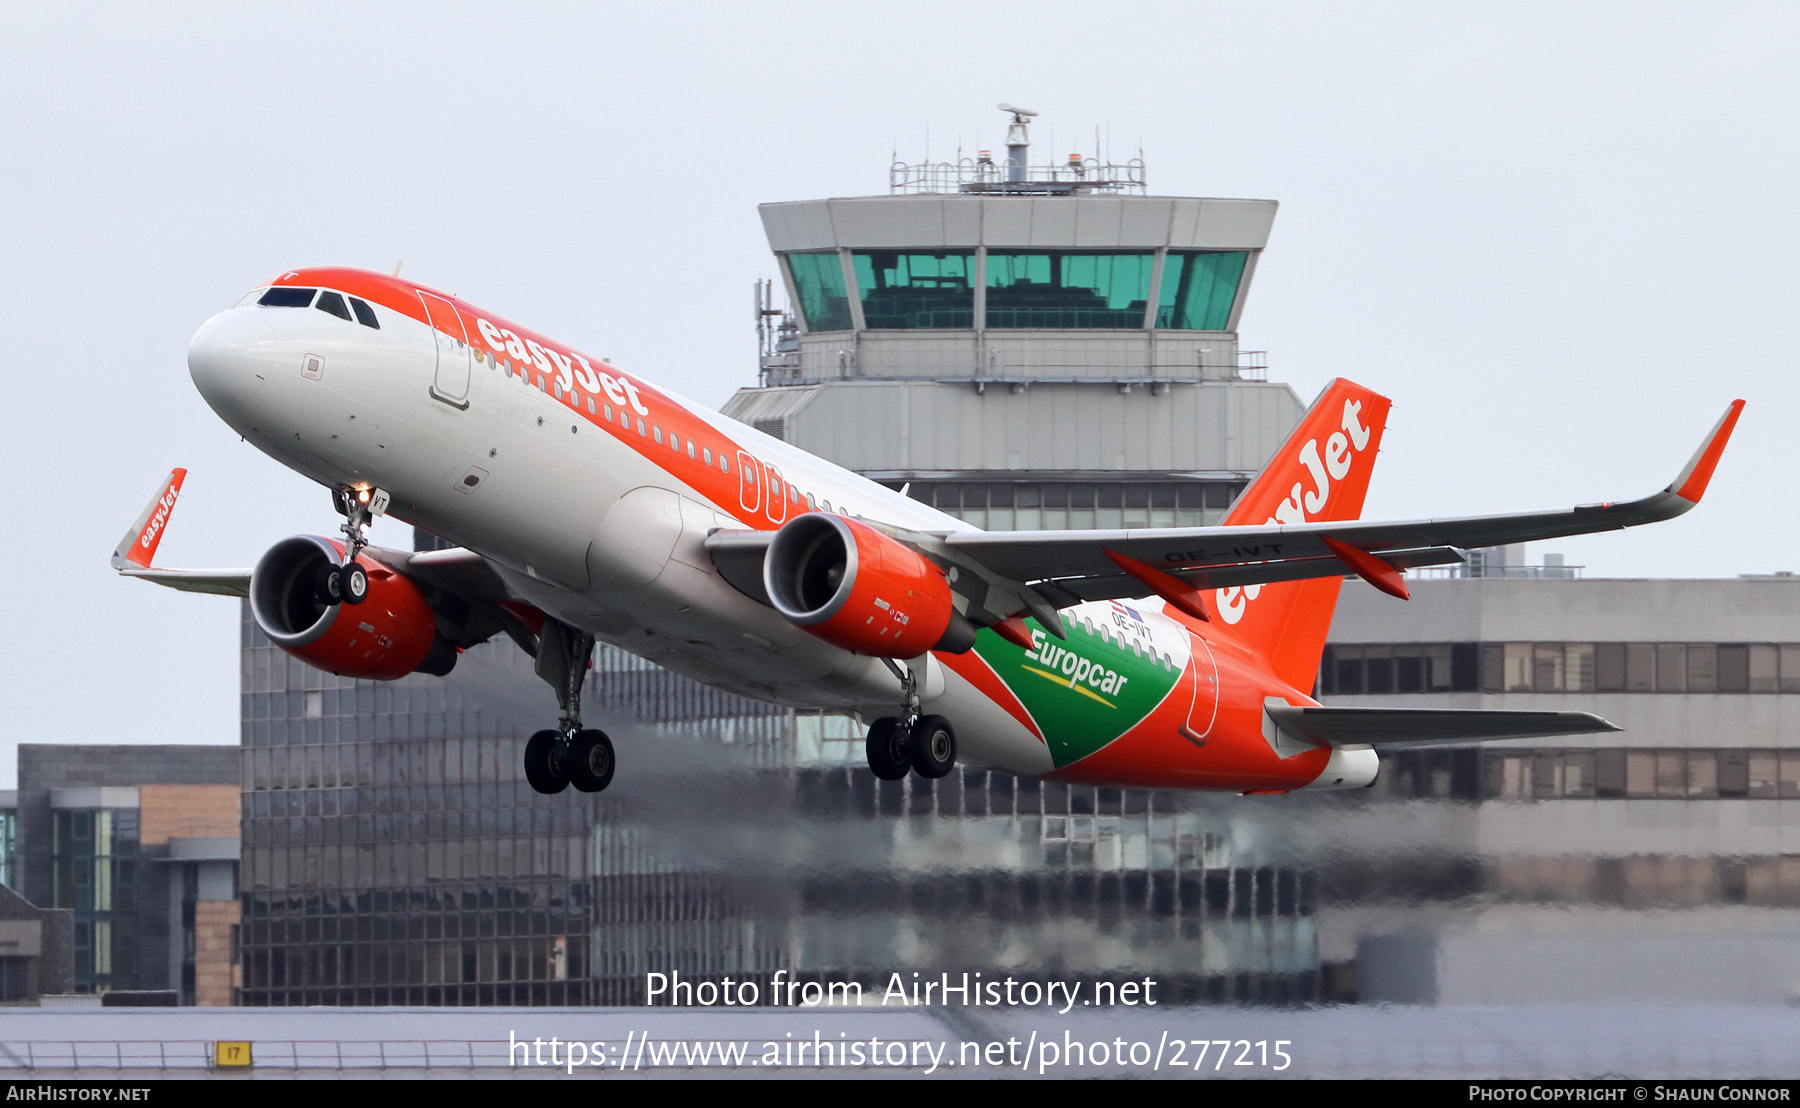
<point x="349" y="583"/>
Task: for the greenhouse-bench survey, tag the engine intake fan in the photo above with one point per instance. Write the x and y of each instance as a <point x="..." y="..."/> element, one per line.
<point x="392" y="633"/>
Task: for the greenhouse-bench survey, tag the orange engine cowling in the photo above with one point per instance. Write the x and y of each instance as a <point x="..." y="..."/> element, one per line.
<point x="390" y="634"/>
<point x="858" y="589"/>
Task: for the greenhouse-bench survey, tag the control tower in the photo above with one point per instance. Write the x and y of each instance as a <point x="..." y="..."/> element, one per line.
<point x="1023" y="345"/>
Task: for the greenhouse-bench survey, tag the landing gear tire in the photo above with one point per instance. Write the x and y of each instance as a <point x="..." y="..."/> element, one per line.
<point x="353" y="583"/>
<point x="546" y="766"/>
<point x="933" y="746"/>
<point x="590" y="761"/>
<point x="327" y="585"/>
<point x="887" y="749"/>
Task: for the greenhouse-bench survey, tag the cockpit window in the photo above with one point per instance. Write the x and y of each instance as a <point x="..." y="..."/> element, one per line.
<point x="283" y="296"/>
<point x="365" y="315"/>
<point x="333" y="303"/>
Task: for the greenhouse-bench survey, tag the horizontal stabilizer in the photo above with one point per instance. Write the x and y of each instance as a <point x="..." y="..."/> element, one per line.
<point x="1404" y="727"/>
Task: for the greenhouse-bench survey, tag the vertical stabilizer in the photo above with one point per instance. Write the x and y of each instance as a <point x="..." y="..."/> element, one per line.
<point x="1321" y="473"/>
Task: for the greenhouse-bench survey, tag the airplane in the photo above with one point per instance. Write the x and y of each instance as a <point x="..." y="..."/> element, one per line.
<point x="587" y="504"/>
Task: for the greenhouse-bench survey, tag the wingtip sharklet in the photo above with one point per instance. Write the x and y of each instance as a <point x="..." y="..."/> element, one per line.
<point x="1691" y="484"/>
<point x="138" y="547"/>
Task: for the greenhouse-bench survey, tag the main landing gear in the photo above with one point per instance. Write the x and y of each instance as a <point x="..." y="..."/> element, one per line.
<point x="926" y="745"/>
<point x="570" y="754"/>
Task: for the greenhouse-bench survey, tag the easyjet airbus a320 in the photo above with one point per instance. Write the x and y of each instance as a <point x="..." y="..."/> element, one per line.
<point x="588" y="504"/>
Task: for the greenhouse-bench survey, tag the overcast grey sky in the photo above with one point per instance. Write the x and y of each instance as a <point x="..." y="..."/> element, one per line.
<point x="1560" y="236"/>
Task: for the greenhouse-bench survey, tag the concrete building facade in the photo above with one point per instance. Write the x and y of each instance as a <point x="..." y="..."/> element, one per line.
<point x="1660" y="863"/>
<point x="140" y="845"/>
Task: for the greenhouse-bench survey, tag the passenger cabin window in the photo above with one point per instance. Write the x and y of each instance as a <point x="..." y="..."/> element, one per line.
<point x="333" y="303"/>
<point x="285" y="297"/>
<point x="365" y="315"/>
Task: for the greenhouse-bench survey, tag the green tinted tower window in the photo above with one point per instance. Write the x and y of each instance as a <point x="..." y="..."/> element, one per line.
<point x="1068" y="290"/>
<point x="819" y="280"/>
<point x="1198" y="290"/>
<point x="916" y="290"/>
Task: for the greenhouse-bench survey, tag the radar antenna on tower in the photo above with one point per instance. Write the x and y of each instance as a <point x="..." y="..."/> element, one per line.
<point x="1018" y="141"/>
<point x="1076" y="177"/>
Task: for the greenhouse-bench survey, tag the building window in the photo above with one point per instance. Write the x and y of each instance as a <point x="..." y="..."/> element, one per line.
<point x="819" y="283"/>
<point x="1509" y="772"/>
<point x="1066" y="290"/>
<point x="1198" y="290"/>
<point x="1055" y="505"/>
<point x="93" y="869"/>
<point x="1349" y="670"/>
<point x="1563" y="667"/>
<point x="15" y="978"/>
<point x="9" y="823"/>
<point x="901" y="291"/>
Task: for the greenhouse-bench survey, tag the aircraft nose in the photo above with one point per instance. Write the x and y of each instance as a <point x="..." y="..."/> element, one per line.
<point x="231" y="356"/>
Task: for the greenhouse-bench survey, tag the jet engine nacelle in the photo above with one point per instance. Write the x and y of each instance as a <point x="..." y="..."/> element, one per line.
<point x="390" y="634"/>
<point x="854" y="587"/>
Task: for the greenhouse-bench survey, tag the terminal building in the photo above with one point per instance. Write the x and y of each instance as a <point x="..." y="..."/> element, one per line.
<point x="1662" y="863"/>
<point x="1045" y="346"/>
<point x="123" y="871"/>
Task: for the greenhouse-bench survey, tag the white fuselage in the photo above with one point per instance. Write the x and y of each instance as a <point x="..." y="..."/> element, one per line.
<point x="576" y="518"/>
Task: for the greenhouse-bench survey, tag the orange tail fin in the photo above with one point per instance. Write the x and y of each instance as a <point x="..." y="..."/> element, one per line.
<point x="1321" y="473"/>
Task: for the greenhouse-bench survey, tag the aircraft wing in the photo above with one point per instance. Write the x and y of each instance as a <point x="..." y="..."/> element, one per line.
<point x="470" y="600"/>
<point x="458" y="570"/>
<point x="1067" y="566"/>
<point x="1397" y="728"/>
<point x="218" y="582"/>
<point x="1046" y="570"/>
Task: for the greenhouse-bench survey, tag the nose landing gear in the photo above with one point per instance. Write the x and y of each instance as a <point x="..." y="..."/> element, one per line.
<point x="570" y="754"/>
<point x="925" y="745"/>
<point x="348" y="583"/>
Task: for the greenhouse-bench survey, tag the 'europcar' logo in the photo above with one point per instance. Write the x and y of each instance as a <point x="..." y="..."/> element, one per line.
<point x="1341" y="447"/>
<point x="1065" y="667"/>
